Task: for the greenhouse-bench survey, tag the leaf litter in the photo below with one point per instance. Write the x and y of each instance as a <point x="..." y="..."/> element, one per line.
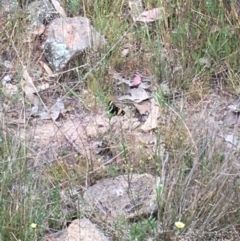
<point x="29" y="89"/>
<point x="144" y="107"/>
<point x="135" y="94"/>
<point x="233" y="140"/>
<point x="138" y="15"/>
<point x="54" y="112"/>
<point x="135" y="90"/>
<point x="152" y="15"/>
<point x="32" y="94"/>
<point x="152" y="120"/>
<point x="137" y="80"/>
<point x="136" y="8"/>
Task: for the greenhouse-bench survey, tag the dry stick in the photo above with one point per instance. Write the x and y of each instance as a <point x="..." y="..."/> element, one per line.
<point x="66" y="71"/>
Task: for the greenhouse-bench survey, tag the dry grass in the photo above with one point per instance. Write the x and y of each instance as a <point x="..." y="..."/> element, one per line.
<point x="200" y="177"/>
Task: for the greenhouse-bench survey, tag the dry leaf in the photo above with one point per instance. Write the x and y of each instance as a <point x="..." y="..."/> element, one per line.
<point x="31" y="95"/>
<point x="177" y="68"/>
<point x="117" y="76"/>
<point x="34" y="111"/>
<point x="215" y="29"/>
<point x="125" y="52"/>
<point x="151" y="122"/>
<point x="44" y="115"/>
<point x="231" y="118"/>
<point x="46" y="68"/>
<point x="29" y="88"/>
<point x="234" y="108"/>
<point x="10" y="89"/>
<point x="43" y="87"/>
<point x="143" y="107"/>
<point x="6" y="79"/>
<point x="136" y="8"/>
<point x="57" y="109"/>
<point x="54" y="112"/>
<point x="137" y="80"/>
<point x="39" y="30"/>
<point x="232" y="140"/>
<point x="165" y="88"/>
<point x="136" y="95"/>
<point x="59" y="8"/>
<point x="8" y="64"/>
<point x="27" y="77"/>
<point x="206" y="61"/>
<point x="152" y="15"/>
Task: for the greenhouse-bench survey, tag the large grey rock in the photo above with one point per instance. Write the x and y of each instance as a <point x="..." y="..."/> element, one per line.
<point x="79" y="230"/>
<point x="8" y="7"/>
<point x="68" y="37"/>
<point x="127" y="196"/>
<point x="41" y="12"/>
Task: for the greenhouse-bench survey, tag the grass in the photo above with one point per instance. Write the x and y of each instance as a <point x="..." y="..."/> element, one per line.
<point x="200" y="179"/>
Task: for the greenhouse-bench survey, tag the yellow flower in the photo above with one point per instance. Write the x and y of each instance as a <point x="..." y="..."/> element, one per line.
<point x="33" y="225"/>
<point x="179" y="225"/>
<point x="150" y="157"/>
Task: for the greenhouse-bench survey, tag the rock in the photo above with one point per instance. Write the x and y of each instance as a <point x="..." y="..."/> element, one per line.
<point x="9" y="88"/>
<point x="41" y="13"/>
<point x="8" y="7"/>
<point x="128" y="196"/>
<point x="6" y="79"/>
<point x="68" y="37"/>
<point x="80" y="229"/>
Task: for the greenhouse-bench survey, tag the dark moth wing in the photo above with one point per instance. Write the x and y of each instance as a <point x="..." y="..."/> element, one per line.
<point x="114" y="110"/>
